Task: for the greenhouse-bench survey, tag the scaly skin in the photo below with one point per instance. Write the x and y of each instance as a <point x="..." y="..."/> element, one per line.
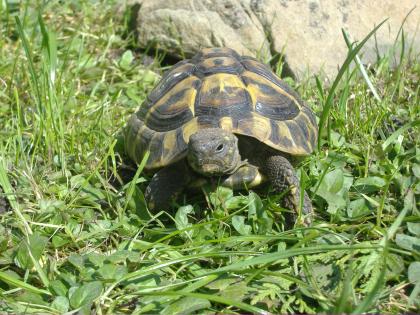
<point x="167" y="184"/>
<point x="282" y="177"/>
<point x="258" y="162"/>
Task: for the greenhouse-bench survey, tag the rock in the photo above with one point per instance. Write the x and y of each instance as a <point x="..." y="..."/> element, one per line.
<point x="182" y="26"/>
<point x="307" y="33"/>
<point x="310" y="31"/>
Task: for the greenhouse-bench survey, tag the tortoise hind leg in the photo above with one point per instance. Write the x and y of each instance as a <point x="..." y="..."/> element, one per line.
<point x="167" y="184"/>
<point x="282" y="177"/>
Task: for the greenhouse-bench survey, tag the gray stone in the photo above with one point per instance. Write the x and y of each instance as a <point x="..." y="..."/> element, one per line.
<point x="307" y="33"/>
<point x="182" y="26"/>
<point x="310" y="31"/>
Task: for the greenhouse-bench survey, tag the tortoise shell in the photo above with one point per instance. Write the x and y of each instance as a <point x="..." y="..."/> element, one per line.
<point x="218" y="88"/>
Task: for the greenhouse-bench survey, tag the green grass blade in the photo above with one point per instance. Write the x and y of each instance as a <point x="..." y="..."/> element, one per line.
<point x="390" y="233"/>
<point x="262" y="259"/>
<point x="272" y="257"/>
<point x="320" y="88"/>
<point x="400" y="32"/>
<point x="362" y="69"/>
<point x="32" y="70"/>
<point x="399" y="132"/>
<point x="20" y="284"/>
<point x="214" y="298"/>
<point x="342" y="304"/>
<point x="329" y="102"/>
<point x="50" y="45"/>
<point x="10" y="194"/>
<point x="133" y="182"/>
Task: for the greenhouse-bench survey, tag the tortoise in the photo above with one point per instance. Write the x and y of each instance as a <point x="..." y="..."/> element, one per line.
<point x="225" y="116"/>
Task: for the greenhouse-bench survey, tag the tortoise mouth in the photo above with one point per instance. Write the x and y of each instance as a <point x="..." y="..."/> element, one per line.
<point x="209" y="167"/>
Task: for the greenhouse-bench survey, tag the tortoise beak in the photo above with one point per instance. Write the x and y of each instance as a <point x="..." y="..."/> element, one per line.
<point x="210" y="168"/>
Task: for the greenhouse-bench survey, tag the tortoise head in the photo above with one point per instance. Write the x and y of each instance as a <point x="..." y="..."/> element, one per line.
<point x="213" y="152"/>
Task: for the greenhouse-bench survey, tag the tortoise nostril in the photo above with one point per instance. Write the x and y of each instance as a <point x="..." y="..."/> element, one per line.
<point x="220" y="148"/>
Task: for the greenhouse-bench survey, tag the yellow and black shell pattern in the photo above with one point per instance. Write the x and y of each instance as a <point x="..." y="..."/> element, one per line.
<point x="218" y="88"/>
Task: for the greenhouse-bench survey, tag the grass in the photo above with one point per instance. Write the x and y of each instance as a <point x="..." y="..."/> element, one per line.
<point x="75" y="235"/>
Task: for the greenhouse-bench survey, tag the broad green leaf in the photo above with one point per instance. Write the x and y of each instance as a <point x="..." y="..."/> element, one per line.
<point x="61" y="304"/>
<point x="111" y="272"/>
<point x="181" y="217"/>
<point x="334" y="189"/>
<point x="395" y="266"/>
<point x="335" y="181"/>
<point x="236" y="202"/>
<point x="133" y="93"/>
<point x="414" y="277"/>
<point x="58" y="241"/>
<point x="408" y="242"/>
<point x="416" y="170"/>
<point x="137" y="202"/>
<point x="77" y="261"/>
<point x="222" y="283"/>
<point x="86" y="294"/>
<point x="327" y="276"/>
<point x="96" y="259"/>
<point x="264" y="225"/>
<point x="32" y="297"/>
<point x="236" y="291"/>
<point x="58" y="287"/>
<point x="47" y="205"/>
<point x="220" y="196"/>
<point x="414" y="272"/>
<point x="337" y="140"/>
<point x="414" y="228"/>
<point x="369" y="184"/>
<point x="88" y="192"/>
<point x="120" y="256"/>
<point x="414" y="296"/>
<point x="126" y="60"/>
<point x="238" y="223"/>
<point x="255" y="206"/>
<point x="34" y="246"/>
<point x="358" y="208"/>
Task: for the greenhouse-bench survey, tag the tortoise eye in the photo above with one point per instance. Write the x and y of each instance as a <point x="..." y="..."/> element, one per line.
<point x="220" y="148"/>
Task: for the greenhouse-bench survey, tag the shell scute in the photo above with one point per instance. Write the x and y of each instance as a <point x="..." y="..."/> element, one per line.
<point x="269" y="99"/>
<point x="220" y="64"/>
<point x="175" y="107"/>
<point x="217" y="88"/>
<point x="172" y="77"/>
<point x="221" y="95"/>
<point x="216" y="52"/>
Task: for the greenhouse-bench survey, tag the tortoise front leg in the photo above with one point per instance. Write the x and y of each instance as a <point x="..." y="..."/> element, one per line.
<point x="282" y="177"/>
<point x="245" y="177"/>
<point x="167" y="184"/>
